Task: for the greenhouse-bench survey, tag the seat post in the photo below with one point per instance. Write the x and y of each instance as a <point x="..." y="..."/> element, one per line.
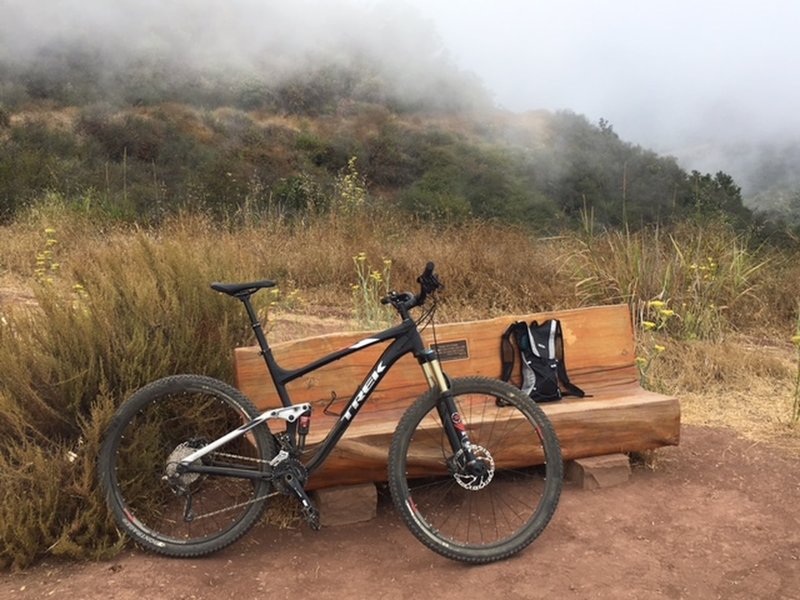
<point x="257" y="329"/>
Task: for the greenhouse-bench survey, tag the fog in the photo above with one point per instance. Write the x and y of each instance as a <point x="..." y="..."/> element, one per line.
<point x="709" y="82"/>
<point x="260" y="39"/>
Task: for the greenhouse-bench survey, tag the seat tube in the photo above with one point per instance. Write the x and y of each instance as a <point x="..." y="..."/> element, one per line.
<point x="266" y="353"/>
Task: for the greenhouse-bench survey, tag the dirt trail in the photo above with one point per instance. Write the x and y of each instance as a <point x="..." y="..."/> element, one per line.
<point x="719" y="517"/>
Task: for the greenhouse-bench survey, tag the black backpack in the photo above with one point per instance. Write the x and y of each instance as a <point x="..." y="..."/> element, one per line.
<point x="541" y="348"/>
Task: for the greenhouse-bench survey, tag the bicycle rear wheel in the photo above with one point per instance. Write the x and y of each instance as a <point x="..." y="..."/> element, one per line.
<point x="190" y="514"/>
<point x="461" y="515"/>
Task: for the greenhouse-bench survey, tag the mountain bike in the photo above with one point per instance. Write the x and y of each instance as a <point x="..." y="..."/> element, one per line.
<point x="188" y="463"/>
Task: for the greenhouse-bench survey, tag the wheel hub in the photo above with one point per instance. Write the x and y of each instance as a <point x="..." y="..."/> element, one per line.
<point x="477" y="475"/>
<point x="180" y="480"/>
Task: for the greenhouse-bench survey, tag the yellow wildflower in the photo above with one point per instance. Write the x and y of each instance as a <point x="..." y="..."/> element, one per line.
<point x="648" y="325"/>
<point x="641" y="361"/>
<point x="666" y="312"/>
<point x="659" y="348"/>
<point x="656" y="304"/>
<point x="796" y="339"/>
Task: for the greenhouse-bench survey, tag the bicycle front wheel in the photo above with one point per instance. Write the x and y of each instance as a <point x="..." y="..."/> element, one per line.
<point x="477" y="513"/>
<point x="187" y="514"/>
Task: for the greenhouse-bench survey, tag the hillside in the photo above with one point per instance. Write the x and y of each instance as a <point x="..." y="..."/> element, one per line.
<point x="138" y="122"/>
<point x="141" y="162"/>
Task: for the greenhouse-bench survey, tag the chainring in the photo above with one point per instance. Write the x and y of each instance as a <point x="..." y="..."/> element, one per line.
<point x="288" y="466"/>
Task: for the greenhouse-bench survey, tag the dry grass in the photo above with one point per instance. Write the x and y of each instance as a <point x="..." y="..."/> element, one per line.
<point x="740" y="382"/>
<point x="145" y="311"/>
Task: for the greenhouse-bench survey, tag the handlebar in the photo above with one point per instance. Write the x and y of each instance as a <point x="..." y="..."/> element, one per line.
<point x="405" y="301"/>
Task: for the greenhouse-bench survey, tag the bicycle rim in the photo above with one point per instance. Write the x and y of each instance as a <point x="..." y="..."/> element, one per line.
<point x="460" y="515"/>
<point x="194" y="513"/>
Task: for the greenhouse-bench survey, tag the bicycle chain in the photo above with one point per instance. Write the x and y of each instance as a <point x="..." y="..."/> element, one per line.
<point x="222" y="510"/>
<point x="247" y="458"/>
<point x="239" y="505"/>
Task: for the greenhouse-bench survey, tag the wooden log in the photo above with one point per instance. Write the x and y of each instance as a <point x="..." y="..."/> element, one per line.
<point x="599" y="348"/>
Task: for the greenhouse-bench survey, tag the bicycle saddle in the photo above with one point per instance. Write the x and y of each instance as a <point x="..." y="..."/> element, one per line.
<point x="242" y="289"/>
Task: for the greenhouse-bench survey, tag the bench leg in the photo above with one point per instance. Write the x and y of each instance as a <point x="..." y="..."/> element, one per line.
<point x="597" y="472"/>
<point x="346" y="504"/>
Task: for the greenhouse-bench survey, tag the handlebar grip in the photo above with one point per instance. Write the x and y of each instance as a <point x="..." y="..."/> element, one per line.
<point x="426" y="277"/>
<point x="429" y="283"/>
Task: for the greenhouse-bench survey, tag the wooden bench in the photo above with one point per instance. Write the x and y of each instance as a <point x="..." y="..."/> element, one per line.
<point x="619" y="415"/>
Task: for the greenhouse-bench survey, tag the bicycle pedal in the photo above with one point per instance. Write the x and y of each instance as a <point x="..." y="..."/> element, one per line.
<point x="311" y="515"/>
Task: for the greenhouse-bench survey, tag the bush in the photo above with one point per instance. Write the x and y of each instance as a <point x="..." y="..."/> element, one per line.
<point x="124" y="312"/>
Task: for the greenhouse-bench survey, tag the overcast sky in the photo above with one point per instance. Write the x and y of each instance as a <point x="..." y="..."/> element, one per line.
<point x="679" y="76"/>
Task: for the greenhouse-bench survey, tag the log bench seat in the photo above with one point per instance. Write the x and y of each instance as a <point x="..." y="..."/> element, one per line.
<point x="617" y="415"/>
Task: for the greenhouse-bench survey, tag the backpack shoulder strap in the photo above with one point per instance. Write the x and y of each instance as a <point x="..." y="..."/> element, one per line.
<point x="518" y="332"/>
<point x="571" y="388"/>
<point x="507" y="353"/>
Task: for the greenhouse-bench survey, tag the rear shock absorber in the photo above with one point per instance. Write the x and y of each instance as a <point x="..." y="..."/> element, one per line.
<point x="303" y="427"/>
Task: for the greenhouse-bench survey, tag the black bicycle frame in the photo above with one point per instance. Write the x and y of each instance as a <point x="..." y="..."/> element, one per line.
<point x="406" y="339"/>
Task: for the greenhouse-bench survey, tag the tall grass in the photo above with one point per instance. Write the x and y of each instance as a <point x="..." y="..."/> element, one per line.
<point x="143" y="309"/>
<point x="708" y="274"/>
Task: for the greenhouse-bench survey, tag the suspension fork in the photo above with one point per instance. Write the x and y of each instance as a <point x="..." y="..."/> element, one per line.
<point x="452" y="420"/>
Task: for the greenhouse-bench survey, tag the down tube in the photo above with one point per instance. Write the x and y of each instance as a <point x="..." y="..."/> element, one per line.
<point x="390" y="356"/>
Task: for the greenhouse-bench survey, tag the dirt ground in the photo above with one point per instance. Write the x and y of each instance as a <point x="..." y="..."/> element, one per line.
<point x="718" y="517"/>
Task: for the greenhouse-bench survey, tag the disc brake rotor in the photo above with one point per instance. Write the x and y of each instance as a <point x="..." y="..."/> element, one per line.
<point x="471" y="481"/>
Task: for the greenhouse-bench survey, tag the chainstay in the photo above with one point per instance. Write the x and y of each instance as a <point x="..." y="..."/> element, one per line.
<point x="240" y="504"/>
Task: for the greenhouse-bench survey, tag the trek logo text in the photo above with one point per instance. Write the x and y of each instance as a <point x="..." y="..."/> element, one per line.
<point x="364" y="391"/>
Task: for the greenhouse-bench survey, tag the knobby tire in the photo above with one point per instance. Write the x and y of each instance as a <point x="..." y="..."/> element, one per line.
<point x="510" y="432"/>
<point x="145" y="436"/>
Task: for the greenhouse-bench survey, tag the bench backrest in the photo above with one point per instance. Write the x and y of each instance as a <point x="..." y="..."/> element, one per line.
<point x="598" y="349"/>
